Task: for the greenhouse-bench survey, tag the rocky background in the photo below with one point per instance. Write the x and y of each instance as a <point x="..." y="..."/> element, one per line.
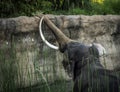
<point x="26" y="61"/>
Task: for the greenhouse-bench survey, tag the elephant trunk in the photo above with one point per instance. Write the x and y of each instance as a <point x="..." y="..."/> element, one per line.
<point x="62" y="39"/>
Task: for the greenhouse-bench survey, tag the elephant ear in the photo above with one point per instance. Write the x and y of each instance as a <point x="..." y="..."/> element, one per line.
<point x="100" y="48"/>
<point x="97" y="50"/>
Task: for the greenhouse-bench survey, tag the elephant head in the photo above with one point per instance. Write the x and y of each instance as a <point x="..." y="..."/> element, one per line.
<point x="60" y="37"/>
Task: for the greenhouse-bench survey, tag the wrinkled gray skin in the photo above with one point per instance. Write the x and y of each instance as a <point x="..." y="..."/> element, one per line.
<point x="87" y="72"/>
<point x="72" y="52"/>
<point x="77" y="52"/>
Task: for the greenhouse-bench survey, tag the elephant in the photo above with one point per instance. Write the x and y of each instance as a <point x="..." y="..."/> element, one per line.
<point x="86" y="70"/>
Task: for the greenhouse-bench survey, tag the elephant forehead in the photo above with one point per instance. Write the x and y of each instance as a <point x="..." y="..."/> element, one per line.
<point x="77" y="47"/>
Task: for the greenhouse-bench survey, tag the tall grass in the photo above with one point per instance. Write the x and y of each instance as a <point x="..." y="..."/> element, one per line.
<point x="11" y="79"/>
<point x="45" y="69"/>
<point x="7" y="70"/>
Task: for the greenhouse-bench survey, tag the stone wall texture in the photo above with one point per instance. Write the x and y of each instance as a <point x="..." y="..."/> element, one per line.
<point x="25" y="59"/>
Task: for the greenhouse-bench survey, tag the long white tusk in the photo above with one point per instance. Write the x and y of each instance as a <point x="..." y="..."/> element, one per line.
<point x="43" y="38"/>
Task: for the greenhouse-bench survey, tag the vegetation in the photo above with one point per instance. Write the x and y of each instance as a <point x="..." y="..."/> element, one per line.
<point x="13" y="8"/>
<point x="10" y="73"/>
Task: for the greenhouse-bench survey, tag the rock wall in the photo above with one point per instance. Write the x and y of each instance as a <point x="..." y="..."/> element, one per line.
<point x="25" y="60"/>
<point x="100" y="29"/>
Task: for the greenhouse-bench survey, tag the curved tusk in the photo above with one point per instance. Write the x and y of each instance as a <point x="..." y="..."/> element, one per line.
<point x="43" y="38"/>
